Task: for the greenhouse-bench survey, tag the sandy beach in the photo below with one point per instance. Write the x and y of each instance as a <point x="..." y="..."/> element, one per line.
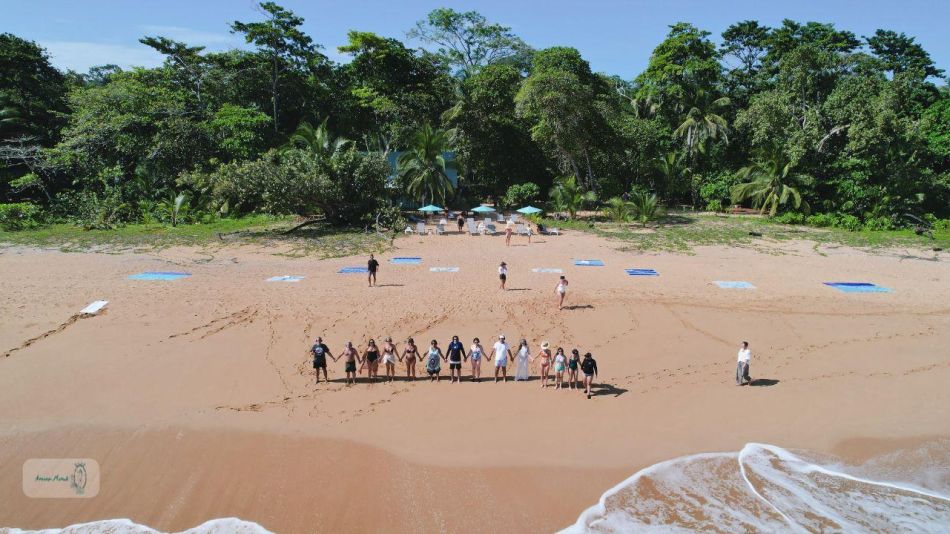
<point x="197" y="397"/>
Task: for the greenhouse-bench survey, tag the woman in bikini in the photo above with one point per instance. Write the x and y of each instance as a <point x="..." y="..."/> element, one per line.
<point x="434" y="361"/>
<point x="476" y="352"/>
<point x="545" y="357"/>
<point x="371" y="359"/>
<point x="561" y="290"/>
<point x="572" y="365"/>
<point x="389" y="358"/>
<point x="560" y="363"/>
<point x="411" y="354"/>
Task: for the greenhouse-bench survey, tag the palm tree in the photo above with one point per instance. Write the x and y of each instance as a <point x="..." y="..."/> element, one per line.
<point x="767" y="184"/>
<point x="645" y="207"/>
<point x="317" y="141"/>
<point x="423" y="167"/>
<point x="568" y="196"/>
<point x="617" y="210"/>
<point x="670" y="167"/>
<point x="702" y="123"/>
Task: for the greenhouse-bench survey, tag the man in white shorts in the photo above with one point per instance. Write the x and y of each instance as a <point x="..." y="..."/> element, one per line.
<point x="502" y="354"/>
<point x="742" y="367"/>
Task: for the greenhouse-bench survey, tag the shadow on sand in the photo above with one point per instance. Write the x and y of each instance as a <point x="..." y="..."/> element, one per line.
<point x="763" y="382"/>
<point x="606" y="389"/>
<point x="579" y="307"/>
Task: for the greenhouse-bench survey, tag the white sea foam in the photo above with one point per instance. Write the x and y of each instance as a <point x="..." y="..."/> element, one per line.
<point x="764" y="488"/>
<point x="228" y="525"/>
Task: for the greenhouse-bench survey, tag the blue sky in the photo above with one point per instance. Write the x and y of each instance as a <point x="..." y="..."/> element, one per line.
<point x="616" y="36"/>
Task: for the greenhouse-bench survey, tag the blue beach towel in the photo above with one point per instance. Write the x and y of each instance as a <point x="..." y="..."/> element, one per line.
<point x="642" y="272"/>
<point x="444" y="269"/>
<point x="411" y="260"/>
<point x="589" y="263"/>
<point x="857" y="287"/>
<point x="285" y="278"/>
<point x="353" y="270"/>
<point x="158" y="275"/>
<point x="734" y="285"/>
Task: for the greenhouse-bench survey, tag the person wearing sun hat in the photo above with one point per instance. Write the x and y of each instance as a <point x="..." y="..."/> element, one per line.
<point x="502" y="355"/>
<point x="545" y="356"/>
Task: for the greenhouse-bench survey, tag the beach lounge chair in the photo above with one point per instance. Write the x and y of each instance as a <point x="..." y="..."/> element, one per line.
<point x="501" y="218"/>
<point x="554" y="231"/>
<point x="421" y="228"/>
<point x="440" y="229"/>
<point x="520" y="229"/>
<point x="472" y="230"/>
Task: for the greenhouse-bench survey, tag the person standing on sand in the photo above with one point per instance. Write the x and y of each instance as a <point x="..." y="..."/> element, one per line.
<point x="434" y="361"/>
<point x="502" y="355"/>
<point x="742" y="367"/>
<point x="371" y="267"/>
<point x="508" y="232"/>
<point x="411" y="354"/>
<point x="320" y="353"/>
<point x="456" y="354"/>
<point x="560" y="363"/>
<point x="572" y="365"/>
<point x="460" y="222"/>
<point x="503" y="274"/>
<point x="545" y="356"/>
<point x="389" y="358"/>
<point x="589" y="368"/>
<point x="561" y="291"/>
<point x="371" y="360"/>
<point x="350" y="356"/>
<point x="523" y="358"/>
<point x="476" y="352"/>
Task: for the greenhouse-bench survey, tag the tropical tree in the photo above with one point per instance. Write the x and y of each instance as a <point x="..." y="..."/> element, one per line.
<point x="422" y="167"/>
<point x="617" y="210"/>
<point x="467" y="41"/>
<point x="769" y="185"/>
<point x="567" y="195"/>
<point x="703" y="122"/>
<point x="645" y="207"/>
<point x="672" y="172"/>
<point x="317" y="141"/>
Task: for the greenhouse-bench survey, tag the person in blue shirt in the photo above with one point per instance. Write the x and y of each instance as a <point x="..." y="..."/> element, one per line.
<point x="456" y="355"/>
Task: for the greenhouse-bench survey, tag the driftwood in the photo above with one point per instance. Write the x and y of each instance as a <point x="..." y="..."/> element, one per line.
<point x="307" y="222"/>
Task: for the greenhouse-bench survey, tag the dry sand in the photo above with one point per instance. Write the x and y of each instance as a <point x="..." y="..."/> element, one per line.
<point x="197" y="398"/>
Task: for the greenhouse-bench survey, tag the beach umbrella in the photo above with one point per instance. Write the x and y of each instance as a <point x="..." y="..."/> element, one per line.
<point x="483" y="209"/>
<point x="529" y="210"/>
<point x="430" y="208"/>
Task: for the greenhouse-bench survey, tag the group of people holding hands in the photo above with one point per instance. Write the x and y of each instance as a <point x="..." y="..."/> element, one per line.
<point x="557" y="362"/>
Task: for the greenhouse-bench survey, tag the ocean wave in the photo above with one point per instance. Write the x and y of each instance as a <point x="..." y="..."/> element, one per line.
<point x="227" y="525"/>
<point x="768" y="488"/>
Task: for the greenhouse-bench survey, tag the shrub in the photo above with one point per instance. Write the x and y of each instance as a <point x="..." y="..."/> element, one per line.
<point x="618" y="210"/>
<point x="879" y="223"/>
<point x="521" y="194"/>
<point x="821" y="220"/>
<point x="19" y="215"/>
<point x="717" y="188"/>
<point x="848" y="222"/>
<point x="790" y="217"/>
<point x="714" y="205"/>
<point x="941" y="224"/>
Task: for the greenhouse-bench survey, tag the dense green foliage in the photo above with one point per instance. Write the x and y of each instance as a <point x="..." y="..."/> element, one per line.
<point x="806" y="122"/>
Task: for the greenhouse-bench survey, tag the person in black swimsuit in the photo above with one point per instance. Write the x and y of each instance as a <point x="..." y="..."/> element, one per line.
<point x="371" y="359"/>
<point x="371" y="267"/>
<point x="460" y="222"/>
<point x="456" y="353"/>
<point x="589" y="368"/>
<point x="572" y="366"/>
<point x="320" y="352"/>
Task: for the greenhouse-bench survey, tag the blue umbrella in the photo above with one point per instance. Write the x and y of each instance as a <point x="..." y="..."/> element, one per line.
<point x="483" y="209"/>
<point x="430" y="208"/>
<point x="529" y="210"/>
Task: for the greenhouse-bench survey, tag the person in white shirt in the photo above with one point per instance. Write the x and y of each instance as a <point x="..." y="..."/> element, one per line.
<point x="502" y="355"/>
<point x="742" y="367"/>
<point x="503" y="275"/>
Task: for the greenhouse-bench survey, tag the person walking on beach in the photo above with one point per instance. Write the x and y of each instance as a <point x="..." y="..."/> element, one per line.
<point x="561" y="291"/>
<point x="560" y="364"/>
<point x="460" y="222"/>
<point x="476" y="352"/>
<point x="742" y="367"/>
<point x="502" y="355"/>
<point x="389" y="358"/>
<point x="572" y="365"/>
<point x="320" y="353"/>
<point x="589" y="368"/>
<point x="371" y="267"/>
<point x="503" y="274"/>
<point x="456" y="354"/>
<point x="371" y="360"/>
<point x="411" y="354"/>
<point x="545" y="356"/>
<point x="350" y="357"/>
<point x="523" y="358"/>
<point x="434" y="361"/>
<point x="508" y="233"/>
